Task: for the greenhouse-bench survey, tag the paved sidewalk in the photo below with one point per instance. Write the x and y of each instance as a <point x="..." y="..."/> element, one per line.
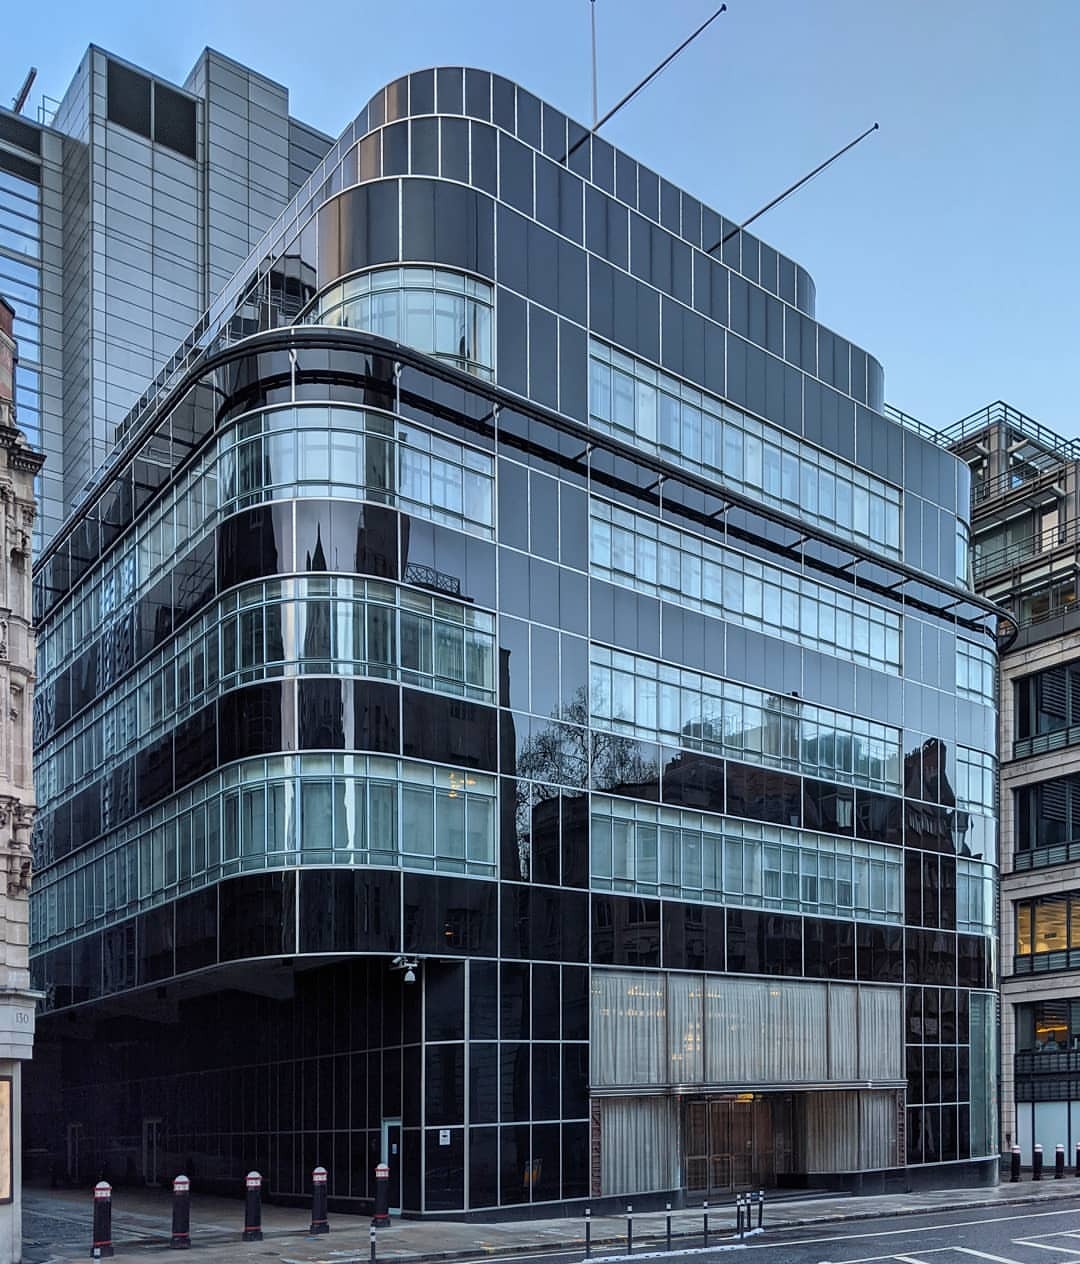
<point x="57" y="1226"/>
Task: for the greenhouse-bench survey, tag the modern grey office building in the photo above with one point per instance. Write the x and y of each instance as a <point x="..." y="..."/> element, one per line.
<point x="120" y="220"/>
<point x="510" y="703"/>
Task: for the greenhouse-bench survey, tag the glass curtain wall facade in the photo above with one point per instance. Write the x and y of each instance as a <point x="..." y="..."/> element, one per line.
<point x="548" y="608"/>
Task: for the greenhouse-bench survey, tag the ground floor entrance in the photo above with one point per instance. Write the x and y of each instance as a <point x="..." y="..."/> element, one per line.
<point x="736" y="1142"/>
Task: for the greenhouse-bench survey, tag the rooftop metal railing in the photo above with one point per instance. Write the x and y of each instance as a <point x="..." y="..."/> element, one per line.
<point x="1000" y="413"/>
<point x="913" y="423"/>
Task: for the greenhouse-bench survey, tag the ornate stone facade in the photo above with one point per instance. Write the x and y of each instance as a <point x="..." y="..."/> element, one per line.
<point x="18" y="465"/>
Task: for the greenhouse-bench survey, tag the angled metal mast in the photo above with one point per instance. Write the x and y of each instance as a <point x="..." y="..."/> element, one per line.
<point x="644" y="83"/>
<point x="789" y="191"/>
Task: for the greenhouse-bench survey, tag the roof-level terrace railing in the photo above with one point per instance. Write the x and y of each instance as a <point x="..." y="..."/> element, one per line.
<point x="912" y="423"/>
<point x="1000" y="413"/>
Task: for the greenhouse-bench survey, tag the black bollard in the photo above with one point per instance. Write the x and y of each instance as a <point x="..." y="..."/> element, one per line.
<point x="1037" y="1164"/>
<point x="102" y="1247"/>
<point x="252" y="1208"/>
<point x="181" y="1214"/>
<point x="1076" y="1171"/>
<point x="381" y="1219"/>
<point x="761" y="1209"/>
<point x="588" y="1232"/>
<point x="669" y="1226"/>
<point x="319" y="1222"/>
<point x="1059" y="1162"/>
<point x="371" y="1236"/>
<point x="1014" y="1163"/>
<point x="629" y="1229"/>
<point x="705" y="1222"/>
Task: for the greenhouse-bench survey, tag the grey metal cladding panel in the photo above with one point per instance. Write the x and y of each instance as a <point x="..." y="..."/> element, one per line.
<point x="269" y="124"/>
<point x="177" y="192"/>
<point x="269" y="97"/>
<point x="129" y="227"/>
<point x="175" y="213"/>
<point x="182" y="230"/>
<point x="227" y="189"/>
<point x="168" y="166"/>
<point x="224" y="140"/>
<point x="221" y="75"/>
<point x="266" y="167"/>
<point x="119" y="140"/>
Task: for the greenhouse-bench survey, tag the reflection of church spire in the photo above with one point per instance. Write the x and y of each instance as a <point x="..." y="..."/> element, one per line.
<point x="316" y="561"/>
<point x="317" y="626"/>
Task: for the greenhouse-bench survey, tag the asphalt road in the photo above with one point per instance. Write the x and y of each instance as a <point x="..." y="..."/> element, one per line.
<point x="998" y="1235"/>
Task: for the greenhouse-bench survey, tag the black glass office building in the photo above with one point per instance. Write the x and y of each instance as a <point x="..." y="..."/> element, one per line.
<point x="513" y="706"/>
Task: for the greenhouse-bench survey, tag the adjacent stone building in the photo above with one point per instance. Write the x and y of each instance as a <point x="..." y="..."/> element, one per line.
<point x="1025" y="505"/>
<point x="18" y="466"/>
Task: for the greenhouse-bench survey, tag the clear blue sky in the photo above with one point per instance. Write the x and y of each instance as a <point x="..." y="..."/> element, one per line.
<point x="947" y="244"/>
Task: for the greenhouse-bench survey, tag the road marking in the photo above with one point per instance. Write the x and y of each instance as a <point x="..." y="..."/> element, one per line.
<point x="1047" y="1246"/>
<point x="984" y="1255"/>
<point x="912" y="1259"/>
<point x="894" y="1233"/>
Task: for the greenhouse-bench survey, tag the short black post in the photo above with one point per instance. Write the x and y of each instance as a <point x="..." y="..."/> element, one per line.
<point x="588" y="1232"/>
<point x="1037" y="1164"/>
<point x="181" y="1214"/>
<point x="761" y="1209"/>
<point x="319" y="1222"/>
<point x="705" y="1223"/>
<point x="1014" y="1164"/>
<point x="371" y="1236"/>
<point x="1059" y="1162"/>
<point x="102" y="1247"/>
<point x="738" y="1213"/>
<point x="629" y="1228"/>
<point x="669" y="1226"/>
<point x="1076" y="1171"/>
<point x="381" y="1219"/>
<point x="252" y="1208"/>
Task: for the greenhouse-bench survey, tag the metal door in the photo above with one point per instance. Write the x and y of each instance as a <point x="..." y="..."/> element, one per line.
<point x="151" y="1150"/>
<point x="391" y="1156"/>
<point x="74" y="1143"/>
<point x="727" y="1146"/>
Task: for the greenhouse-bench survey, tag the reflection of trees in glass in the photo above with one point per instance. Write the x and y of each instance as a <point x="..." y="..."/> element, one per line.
<point x="563" y="751"/>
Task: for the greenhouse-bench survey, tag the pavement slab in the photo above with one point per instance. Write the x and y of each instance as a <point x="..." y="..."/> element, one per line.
<point x="57" y="1226"/>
